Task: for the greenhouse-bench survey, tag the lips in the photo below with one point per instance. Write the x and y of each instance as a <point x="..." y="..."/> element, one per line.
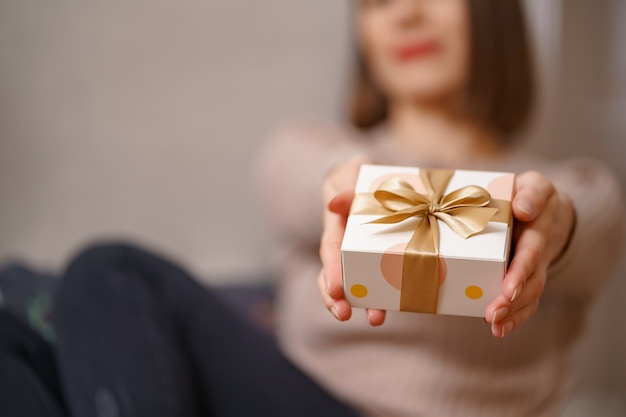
<point x="416" y="50"/>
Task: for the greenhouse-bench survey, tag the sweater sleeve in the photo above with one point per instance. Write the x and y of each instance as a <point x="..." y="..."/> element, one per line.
<point x="597" y="242"/>
<point x="291" y="170"/>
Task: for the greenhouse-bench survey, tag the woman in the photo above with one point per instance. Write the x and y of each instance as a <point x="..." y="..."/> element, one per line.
<point x="443" y="83"/>
<point x="137" y="336"/>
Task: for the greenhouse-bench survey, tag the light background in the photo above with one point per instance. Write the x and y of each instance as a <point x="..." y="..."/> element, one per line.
<point x="142" y="120"/>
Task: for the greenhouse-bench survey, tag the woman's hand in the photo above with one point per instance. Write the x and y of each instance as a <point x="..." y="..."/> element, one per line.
<point x="544" y="220"/>
<point x="338" y="194"/>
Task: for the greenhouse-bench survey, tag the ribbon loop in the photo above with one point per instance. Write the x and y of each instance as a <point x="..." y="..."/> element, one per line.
<point x="397" y="194"/>
<point x="468" y="196"/>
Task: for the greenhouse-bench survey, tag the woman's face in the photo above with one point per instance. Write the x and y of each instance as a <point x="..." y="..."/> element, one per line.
<point x="416" y="50"/>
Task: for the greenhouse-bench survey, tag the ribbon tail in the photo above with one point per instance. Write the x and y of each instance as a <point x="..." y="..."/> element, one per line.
<point x="400" y="215"/>
<point x="420" y="269"/>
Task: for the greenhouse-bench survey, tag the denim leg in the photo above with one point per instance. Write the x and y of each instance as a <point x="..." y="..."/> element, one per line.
<point x="29" y="384"/>
<point x="155" y="342"/>
<point x="118" y="347"/>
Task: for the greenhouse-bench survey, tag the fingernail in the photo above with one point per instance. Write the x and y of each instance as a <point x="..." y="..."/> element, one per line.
<point x="499" y="314"/>
<point x="516" y="292"/>
<point x="526" y="206"/>
<point x="506" y="328"/>
<point x="333" y="310"/>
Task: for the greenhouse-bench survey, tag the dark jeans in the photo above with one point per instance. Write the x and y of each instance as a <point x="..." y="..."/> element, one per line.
<point x="137" y="336"/>
<point x="29" y="384"/>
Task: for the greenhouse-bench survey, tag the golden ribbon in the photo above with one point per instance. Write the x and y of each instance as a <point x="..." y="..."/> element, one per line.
<point x="466" y="211"/>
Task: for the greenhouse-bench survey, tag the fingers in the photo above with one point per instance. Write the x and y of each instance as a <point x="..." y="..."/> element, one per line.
<point x="338" y="194"/>
<point x="376" y="317"/>
<point x="506" y="315"/>
<point x="340" y="308"/>
<point x="340" y="204"/>
<point x="330" y="280"/>
<point x="540" y="206"/>
<point x="532" y="191"/>
<point x="522" y="287"/>
<point x="510" y="314"/>
<point x="530" y="256"/>
<point x="330" y="246"/>
<point x="534" y="206"/>
<point x="502" y="328"/>
<point x="331" y="272"/>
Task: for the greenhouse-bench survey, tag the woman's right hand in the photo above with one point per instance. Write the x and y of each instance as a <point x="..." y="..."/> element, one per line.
<point x="338" y="193"/>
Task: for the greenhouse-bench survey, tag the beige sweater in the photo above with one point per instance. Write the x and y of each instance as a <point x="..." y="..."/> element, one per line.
<point x="421" y="364"/>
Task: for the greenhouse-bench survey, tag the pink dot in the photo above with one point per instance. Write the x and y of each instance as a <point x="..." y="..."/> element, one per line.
<point x="501" y="188"/>
<point x="391" y="266"/>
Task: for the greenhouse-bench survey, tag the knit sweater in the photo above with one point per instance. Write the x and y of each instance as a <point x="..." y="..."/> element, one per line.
<point x="423" y="364"/>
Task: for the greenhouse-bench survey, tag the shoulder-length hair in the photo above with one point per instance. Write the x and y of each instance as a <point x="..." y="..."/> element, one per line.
<point x="500" y="89"/>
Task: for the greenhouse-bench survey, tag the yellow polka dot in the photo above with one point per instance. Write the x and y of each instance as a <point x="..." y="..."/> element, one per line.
<point x="474" y="292"/>
<point x="358" y="290"/>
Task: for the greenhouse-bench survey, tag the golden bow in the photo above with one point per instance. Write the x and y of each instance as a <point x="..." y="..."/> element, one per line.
<point x="465" y="211"/>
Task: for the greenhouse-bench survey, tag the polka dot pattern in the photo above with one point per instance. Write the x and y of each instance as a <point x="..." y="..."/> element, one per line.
<point x="474" y="292"/>
<point x="359" y="291"/>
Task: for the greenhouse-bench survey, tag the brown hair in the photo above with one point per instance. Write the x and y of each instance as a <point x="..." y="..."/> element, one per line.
<point x="500" y="88"/>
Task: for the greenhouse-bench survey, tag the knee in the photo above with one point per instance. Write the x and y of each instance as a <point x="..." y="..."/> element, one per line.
<point x="100" y="253"/>
<point x="95" y="259"/>
<point x="98" y="271"/>
<point x="108" y="274"/>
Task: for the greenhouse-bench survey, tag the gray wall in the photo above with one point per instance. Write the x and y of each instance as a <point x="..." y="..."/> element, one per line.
<point x="143" y="119"/>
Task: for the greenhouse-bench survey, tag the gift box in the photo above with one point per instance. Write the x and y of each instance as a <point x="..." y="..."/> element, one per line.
<point x="426" y="240"/>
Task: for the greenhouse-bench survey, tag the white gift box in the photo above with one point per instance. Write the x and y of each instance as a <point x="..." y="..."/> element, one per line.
<point x="470" y="269"/>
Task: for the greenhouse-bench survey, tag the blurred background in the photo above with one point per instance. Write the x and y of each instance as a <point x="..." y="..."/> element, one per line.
<point x="143" y="119"/>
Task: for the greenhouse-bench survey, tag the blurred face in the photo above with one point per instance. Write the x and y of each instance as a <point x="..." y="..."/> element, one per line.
<point x="416" y="50"/>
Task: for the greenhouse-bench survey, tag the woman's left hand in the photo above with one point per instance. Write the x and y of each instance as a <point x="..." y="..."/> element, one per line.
<point x="544" y="219"/>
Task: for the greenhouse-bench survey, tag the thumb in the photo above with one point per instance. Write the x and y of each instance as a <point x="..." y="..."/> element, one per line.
<point x="340" y="204"/>
<point x="532" y="191"/>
